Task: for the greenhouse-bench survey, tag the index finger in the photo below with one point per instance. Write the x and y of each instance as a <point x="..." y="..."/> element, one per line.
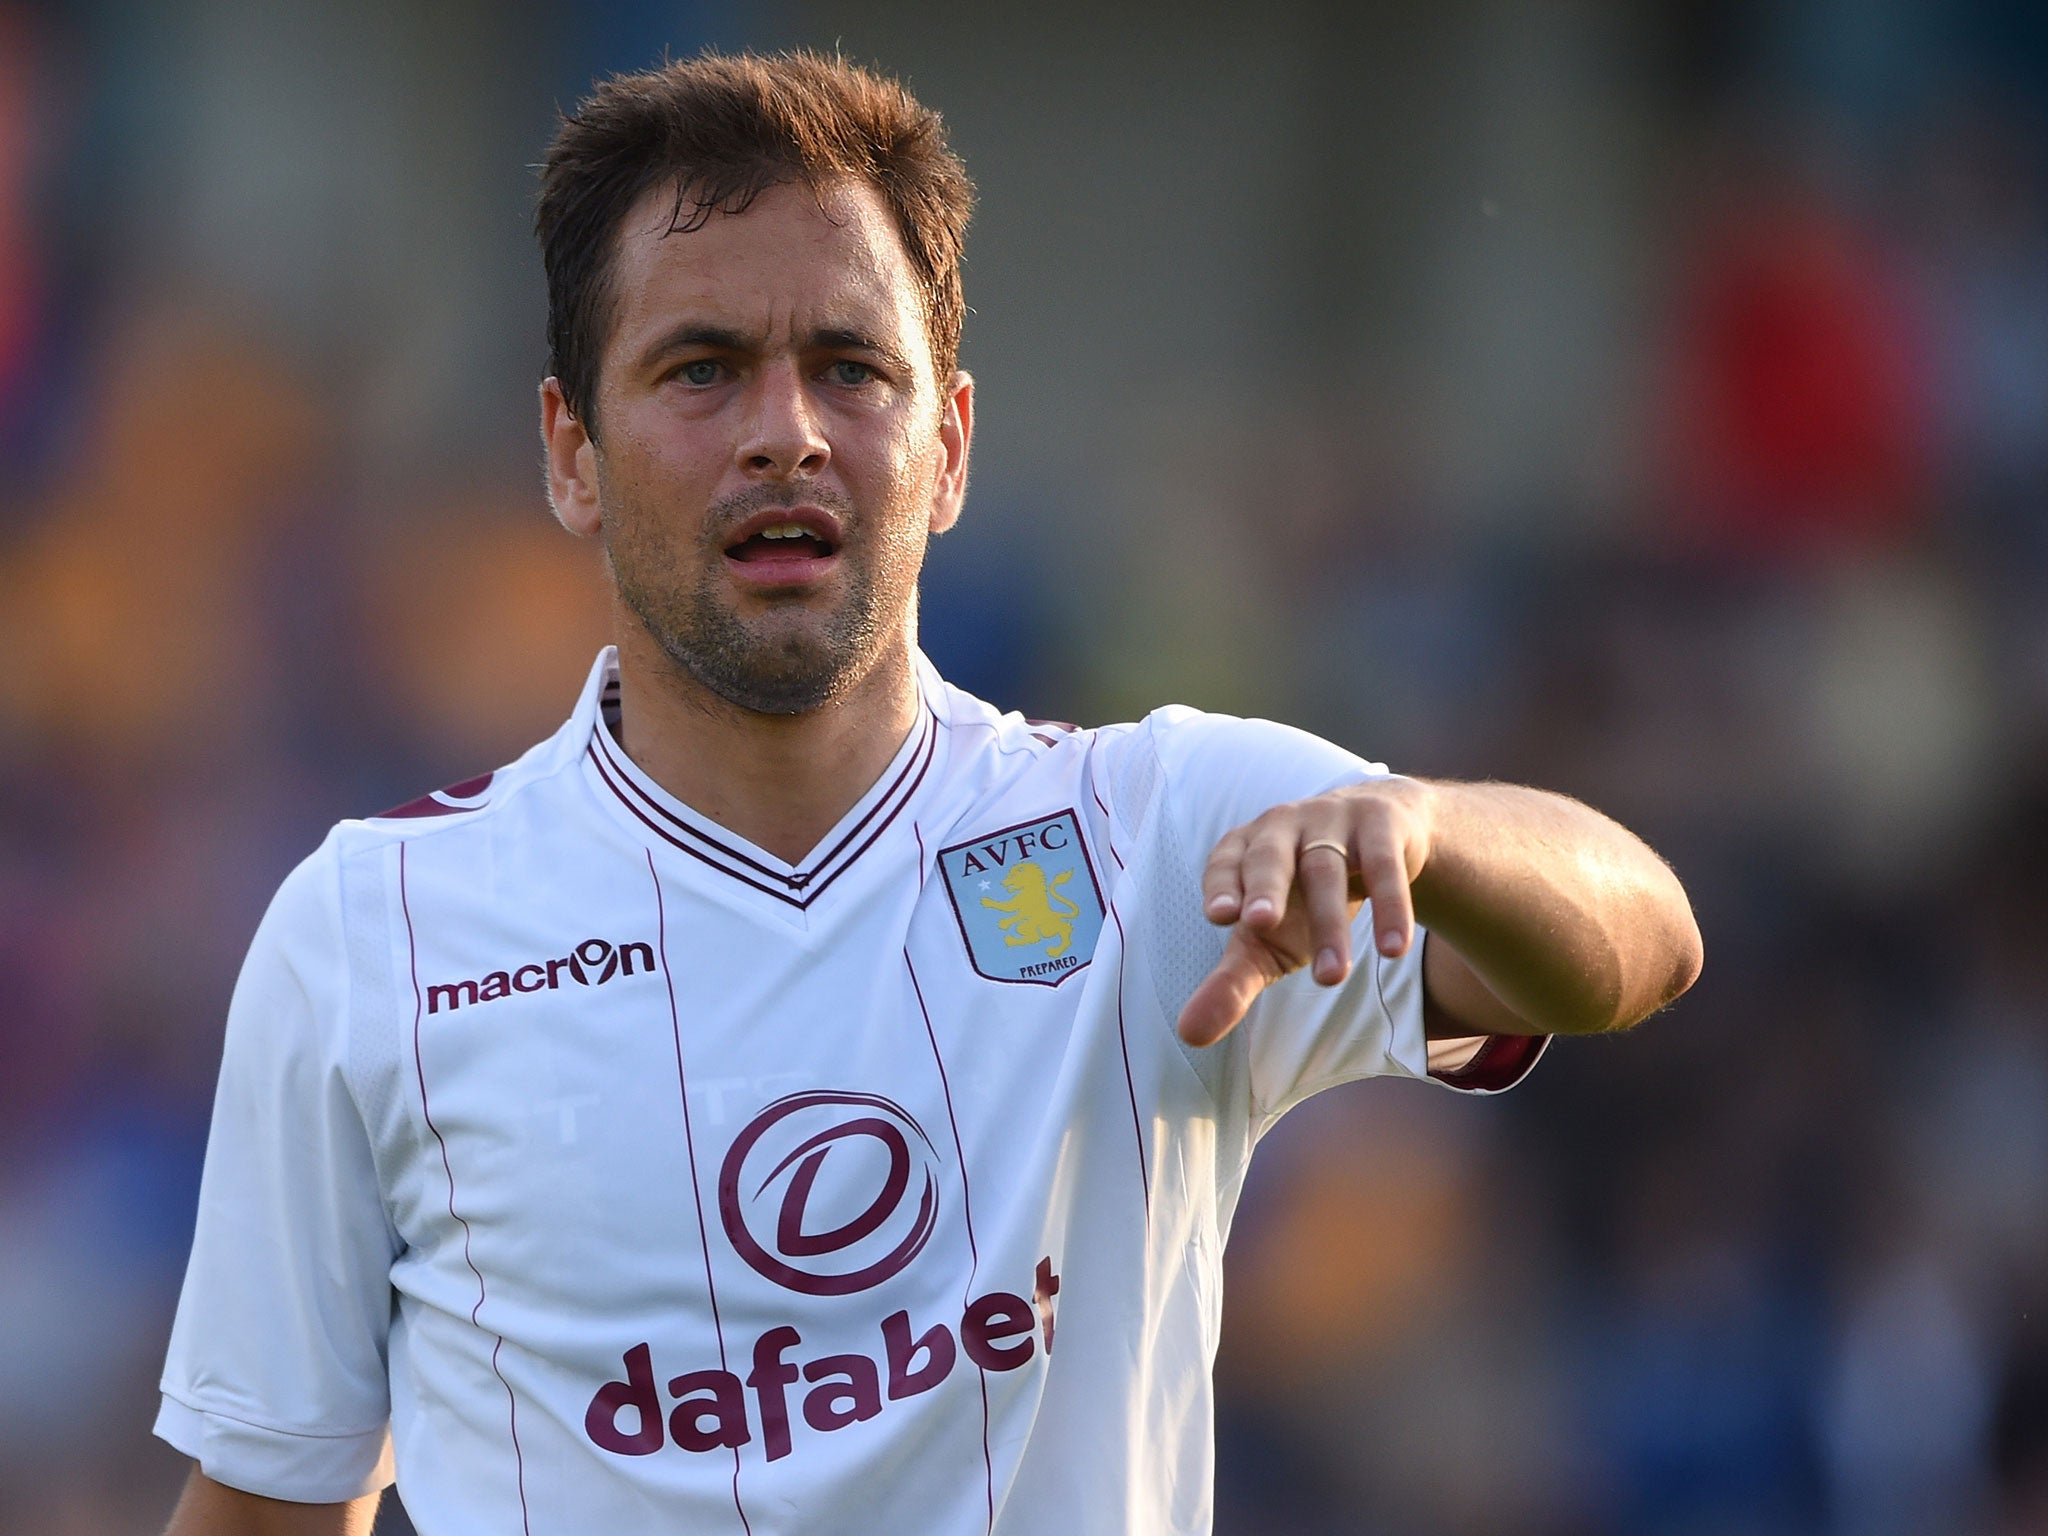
<point x="1220" y="1000"/>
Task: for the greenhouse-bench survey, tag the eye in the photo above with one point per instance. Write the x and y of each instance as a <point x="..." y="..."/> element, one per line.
<point x="702" y="371"/>
<point x="851" y="374"/>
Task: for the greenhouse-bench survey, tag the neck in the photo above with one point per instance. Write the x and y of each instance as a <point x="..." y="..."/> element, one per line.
<point x="779" y="781"/>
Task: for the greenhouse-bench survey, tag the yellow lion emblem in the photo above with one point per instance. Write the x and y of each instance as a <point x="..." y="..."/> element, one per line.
<point x="1039" y="914"/>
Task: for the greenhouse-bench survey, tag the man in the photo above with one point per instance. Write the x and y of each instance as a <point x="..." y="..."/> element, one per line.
<point x="797" y="1097"/>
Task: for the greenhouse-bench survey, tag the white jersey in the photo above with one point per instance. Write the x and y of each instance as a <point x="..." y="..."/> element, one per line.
<point x="611" y="1174"/>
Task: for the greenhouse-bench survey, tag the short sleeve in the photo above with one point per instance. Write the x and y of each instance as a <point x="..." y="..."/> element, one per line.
<point x="1214" y="773"/>
<point x="276" y="1380"/>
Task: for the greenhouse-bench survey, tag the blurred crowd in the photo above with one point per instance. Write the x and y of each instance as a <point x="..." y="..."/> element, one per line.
<point x="273" y="551"/>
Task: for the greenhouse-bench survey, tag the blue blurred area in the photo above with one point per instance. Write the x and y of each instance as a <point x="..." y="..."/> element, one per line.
<point x="1650" y="402"/>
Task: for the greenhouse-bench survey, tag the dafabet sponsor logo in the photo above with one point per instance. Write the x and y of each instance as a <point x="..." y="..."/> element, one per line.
<point x="828" y="1195"/>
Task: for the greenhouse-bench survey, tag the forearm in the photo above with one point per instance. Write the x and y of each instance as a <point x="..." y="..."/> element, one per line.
<point x="208" y="1508"/>
<point x="1564" y="917"/>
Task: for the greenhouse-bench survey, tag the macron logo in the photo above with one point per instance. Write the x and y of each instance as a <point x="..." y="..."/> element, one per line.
<point x="590" y="964"/>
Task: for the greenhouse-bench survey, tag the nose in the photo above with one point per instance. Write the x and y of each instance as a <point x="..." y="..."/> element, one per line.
<point x="782" y="439"/>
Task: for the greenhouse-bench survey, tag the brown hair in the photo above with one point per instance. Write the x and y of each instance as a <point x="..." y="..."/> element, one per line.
<point x="721" y="129"/>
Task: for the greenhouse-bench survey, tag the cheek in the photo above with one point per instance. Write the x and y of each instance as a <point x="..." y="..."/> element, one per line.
<point x="912" y="456"/>
<point x="658" y="486"/>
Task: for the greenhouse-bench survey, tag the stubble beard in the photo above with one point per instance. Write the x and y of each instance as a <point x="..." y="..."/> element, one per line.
<point x="788" y="660"/>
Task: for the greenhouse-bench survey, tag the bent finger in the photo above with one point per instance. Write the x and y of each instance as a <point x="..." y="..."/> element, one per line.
<point x="1268" y="874"/>
<point x="1222" y="879"/>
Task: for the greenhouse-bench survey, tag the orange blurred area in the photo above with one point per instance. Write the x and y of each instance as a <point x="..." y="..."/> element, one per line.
<point x="126" y="608"/>
<point x="1372" y="1241"/>
<point x="487" y="617"/>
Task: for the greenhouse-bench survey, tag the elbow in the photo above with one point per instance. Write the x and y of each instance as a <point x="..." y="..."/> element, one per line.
<point x="1684" y="946"/>
<point x="1647" y="954"/>
<point x="1682" y="954"/>
<point x="1691" y="958"/>
<point x="1645" y="978"/>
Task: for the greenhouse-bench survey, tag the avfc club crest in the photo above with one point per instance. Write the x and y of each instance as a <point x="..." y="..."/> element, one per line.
<point x="1026" y="897"/>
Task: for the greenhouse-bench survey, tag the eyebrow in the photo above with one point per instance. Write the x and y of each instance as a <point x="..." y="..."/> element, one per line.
<point x="693" y="334"/>
<point x="725" y="339"/>
<point x="839" y="339"/>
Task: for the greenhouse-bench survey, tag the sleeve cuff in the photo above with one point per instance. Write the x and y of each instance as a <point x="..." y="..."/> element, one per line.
<point x="1485" y="1063"/>
<point x="276" y="1463"/>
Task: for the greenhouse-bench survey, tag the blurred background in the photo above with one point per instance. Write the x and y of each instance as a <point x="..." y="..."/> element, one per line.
<point x="1646" y="400"/>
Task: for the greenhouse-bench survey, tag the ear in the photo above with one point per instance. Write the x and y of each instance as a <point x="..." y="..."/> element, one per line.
<point x="572" y="463"/>
<point x="956" y="432"/>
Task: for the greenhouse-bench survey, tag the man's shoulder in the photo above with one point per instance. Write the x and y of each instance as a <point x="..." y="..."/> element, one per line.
<point x="1193" y="741"/>
<point x="327" y="914"/>
<point x="483" y="797"/>
<point x="1218" y="769"/>
<point x="1178" y="728"/>
<point x="465" y="795"/>
<point x="472" y="803"/>
<point x="1178" y="736"/>
<point x="974" y="719"/>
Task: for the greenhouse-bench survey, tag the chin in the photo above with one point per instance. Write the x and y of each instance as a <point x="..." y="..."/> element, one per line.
<point x="790" y="659"/>
<point x="785" y="675"/>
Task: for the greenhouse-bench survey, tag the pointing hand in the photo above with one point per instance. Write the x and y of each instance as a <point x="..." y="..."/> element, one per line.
<point x="1288" y="884"/>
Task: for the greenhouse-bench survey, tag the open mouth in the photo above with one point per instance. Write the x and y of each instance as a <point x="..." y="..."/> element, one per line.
<point x="792" y="547"/>
<point x="782" y="542"/>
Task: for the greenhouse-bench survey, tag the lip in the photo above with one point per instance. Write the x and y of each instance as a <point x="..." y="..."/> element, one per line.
<point x="779" y="571"/>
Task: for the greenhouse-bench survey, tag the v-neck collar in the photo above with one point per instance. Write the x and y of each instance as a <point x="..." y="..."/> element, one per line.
<point x="666" y="823"/>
